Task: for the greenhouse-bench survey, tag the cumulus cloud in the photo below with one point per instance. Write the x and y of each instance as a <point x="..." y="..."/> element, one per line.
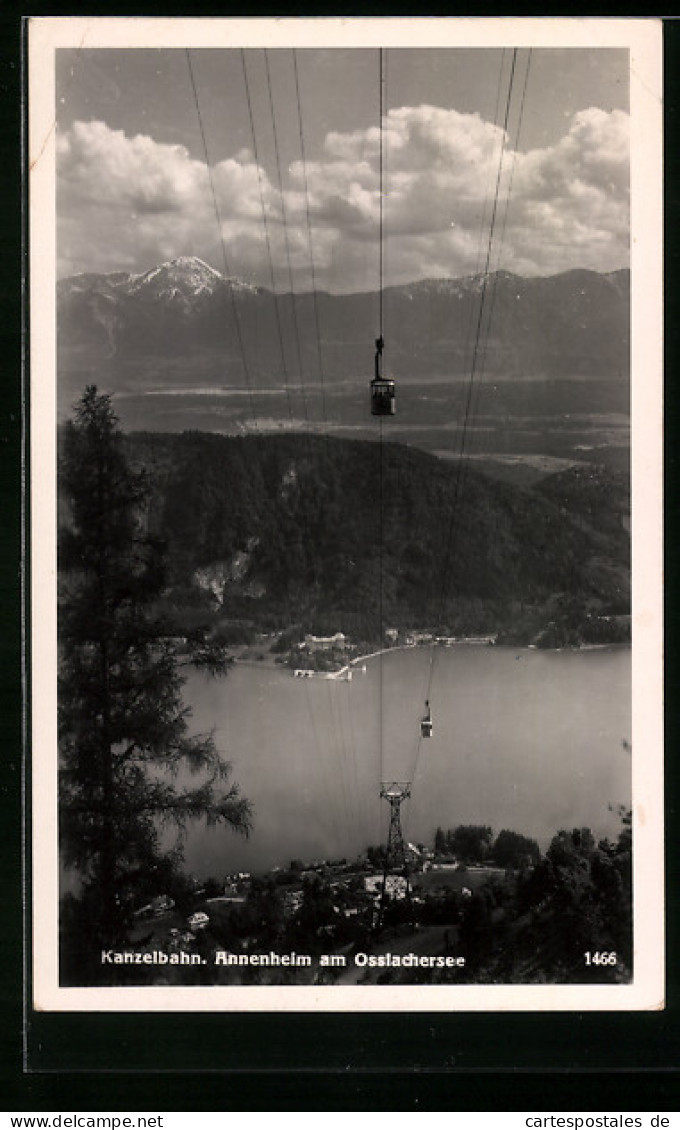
<point x="129" y="202"/>
<point x="126" y="202"/>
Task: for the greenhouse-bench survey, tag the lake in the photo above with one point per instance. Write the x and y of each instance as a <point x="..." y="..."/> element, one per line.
<point x="527" y="740"/>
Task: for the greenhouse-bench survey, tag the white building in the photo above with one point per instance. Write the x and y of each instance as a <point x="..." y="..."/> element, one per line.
<point x="325" y="643"/>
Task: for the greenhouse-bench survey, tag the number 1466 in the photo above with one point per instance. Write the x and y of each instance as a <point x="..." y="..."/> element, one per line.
<point x="600" y="957"/>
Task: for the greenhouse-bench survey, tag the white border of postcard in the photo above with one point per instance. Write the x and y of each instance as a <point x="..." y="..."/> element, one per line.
<point x="643" y="38"/>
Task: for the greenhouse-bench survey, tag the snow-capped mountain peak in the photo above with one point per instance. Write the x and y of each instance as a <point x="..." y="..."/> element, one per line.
<point x="185" y="277"/>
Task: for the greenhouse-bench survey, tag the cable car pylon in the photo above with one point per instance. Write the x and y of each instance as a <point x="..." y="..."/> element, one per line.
<point x="395" y="793"/>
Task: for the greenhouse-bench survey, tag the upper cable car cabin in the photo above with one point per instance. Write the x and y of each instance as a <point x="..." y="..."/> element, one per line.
<point x="426" y="723"/>
<point x="383" y="402"/>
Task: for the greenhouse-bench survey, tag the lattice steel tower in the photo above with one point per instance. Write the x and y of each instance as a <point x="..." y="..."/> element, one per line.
<point x="394" y="792"/>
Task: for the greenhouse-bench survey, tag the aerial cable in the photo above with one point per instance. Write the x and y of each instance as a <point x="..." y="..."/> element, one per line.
<point x="327" y="774"/>
<point x="428" y="675"/>
<point x="425" y="694"/>
<point x="485" y="282"/>
<point x="266" y="235"/>
<point x="471" y="313"/>
<point x="339" y="734"/>
<point x="285" y="233"/>
<point x="341" y="786"/>
<point x="518" y="133"/>
<point x="326" y="778"/>
<point x="361" y="792"/>
<point x="345" y="791"/>
<point x="225" y="259"/>
<point x="501" y="242"/>
<point x="237" y="323"/>
<point x="487" y="194"/>
<point x="311" y="245"/>
<point x="473" y="371"/>
<point x="382" y="389"/>
<point x="352" y="779"/>
<point x="343" y="694"/>
<point x="476" y="349"/>
<point x="485" y="206"/>
<point x="381" y="635"/>
<point x="334" y="776"/>
<point x="296" y="328"/>
<point x="487" y="303"/>
<point x="379" y="343"/>
<point x="317" y="330"/>
<point x="380" y="197"/>
<point x="331" y="792"/>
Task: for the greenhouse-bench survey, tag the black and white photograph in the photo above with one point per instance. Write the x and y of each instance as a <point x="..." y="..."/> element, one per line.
<point x="345" y="442"/>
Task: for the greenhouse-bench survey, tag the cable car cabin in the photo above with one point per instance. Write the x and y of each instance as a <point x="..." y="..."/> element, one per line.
<point x="426" y="723"/>
<point x="383" y="402"/>
<point x="382" y="397"/>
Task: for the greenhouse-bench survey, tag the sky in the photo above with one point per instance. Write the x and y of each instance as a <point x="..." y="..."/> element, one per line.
<point x="267" y="164"/>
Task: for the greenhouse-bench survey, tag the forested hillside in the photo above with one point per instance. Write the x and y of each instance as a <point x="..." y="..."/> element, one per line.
<point x="325" y="534"/>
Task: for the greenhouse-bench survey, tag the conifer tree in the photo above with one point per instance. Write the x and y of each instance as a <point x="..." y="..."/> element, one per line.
<point x="125" y="752"/>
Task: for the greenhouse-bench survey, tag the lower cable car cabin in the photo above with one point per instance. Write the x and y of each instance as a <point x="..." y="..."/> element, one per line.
<point x="383" y="402"/>
<point x="426" y="723"/>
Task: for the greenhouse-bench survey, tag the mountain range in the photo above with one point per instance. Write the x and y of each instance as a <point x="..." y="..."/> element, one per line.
<point x="566" y="325"/>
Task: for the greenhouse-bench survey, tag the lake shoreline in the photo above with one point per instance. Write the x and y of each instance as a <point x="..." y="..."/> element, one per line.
<point x="266" y="659"/>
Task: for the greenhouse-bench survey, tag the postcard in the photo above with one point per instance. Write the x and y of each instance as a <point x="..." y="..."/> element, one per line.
<point x="345" y="492"/>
